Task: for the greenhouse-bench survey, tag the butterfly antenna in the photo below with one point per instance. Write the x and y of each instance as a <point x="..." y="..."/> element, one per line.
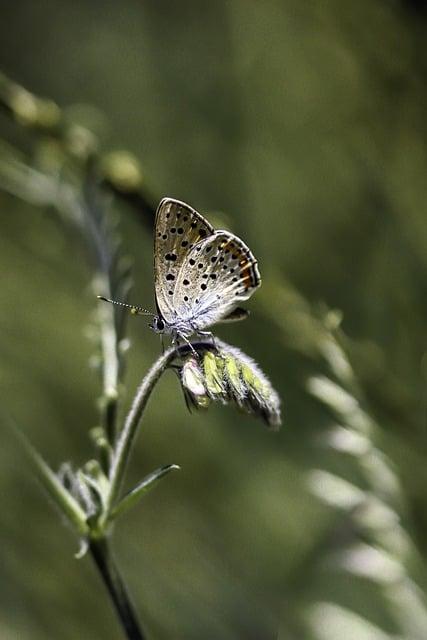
<point x="134" y="309"/>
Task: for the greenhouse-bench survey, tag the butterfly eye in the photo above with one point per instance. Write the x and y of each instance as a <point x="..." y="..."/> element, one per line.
<point x="160" y="324"/>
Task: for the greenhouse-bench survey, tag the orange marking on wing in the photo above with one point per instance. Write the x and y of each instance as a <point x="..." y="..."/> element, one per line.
<point x="248" y="277"/>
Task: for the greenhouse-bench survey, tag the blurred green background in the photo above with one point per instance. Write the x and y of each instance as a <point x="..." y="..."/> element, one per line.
<point x="302" y="126"/>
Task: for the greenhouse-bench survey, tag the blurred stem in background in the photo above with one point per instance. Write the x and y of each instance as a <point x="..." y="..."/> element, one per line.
<point x="119" y="172"/>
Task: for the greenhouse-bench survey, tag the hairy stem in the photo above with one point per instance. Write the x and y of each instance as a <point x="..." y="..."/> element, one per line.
<point x="104" y="561"/>
<point x="110" y="370"/>
<point x="127" y="435"/>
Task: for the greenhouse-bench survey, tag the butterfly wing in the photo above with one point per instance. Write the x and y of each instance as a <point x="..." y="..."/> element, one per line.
<point x="178" y="227"/>
<point x="236" y="315"/>
<point x="216" y="275"/>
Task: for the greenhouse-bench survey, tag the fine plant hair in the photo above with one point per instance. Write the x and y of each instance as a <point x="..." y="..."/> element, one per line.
<point x="368" y="520"/>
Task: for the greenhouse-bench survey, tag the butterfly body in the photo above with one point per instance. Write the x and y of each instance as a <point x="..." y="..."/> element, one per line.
<point x="185" y="326"/>
<point x="180" y="327"/>
<point x="201" y="275"/>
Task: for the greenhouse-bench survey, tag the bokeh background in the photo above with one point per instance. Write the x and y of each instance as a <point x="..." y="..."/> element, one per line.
<point x="302" y="127"/>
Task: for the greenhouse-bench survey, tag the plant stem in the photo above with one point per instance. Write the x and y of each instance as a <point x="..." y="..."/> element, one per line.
<point x="127" y="436"/>
<point x="103" y="558"/>
<point x="110" y="370"/>
<point x="128" y="433"/>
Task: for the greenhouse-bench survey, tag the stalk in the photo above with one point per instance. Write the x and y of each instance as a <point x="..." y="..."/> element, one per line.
<point x="104" y="561"/>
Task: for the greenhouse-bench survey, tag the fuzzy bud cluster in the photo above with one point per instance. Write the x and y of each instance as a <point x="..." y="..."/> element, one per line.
<point x="227" y="375"/>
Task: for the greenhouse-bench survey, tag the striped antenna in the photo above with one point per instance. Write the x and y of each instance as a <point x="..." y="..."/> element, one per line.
<point x="134" y="309"/>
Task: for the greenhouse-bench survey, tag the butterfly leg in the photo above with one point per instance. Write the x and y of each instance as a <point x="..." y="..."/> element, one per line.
<point x="182" y="337"/>
<point x="175" y="341"/>
<point x="208" y="335"/>
<point x="176" y="337"/>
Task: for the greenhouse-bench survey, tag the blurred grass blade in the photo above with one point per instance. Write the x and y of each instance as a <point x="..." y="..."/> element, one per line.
<point x="58" y="493"/>
<point x="330" y="621"/>
<point x="146" y="485"/>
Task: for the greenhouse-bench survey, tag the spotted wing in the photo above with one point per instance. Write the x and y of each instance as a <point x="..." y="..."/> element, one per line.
<point x="178" y="227"/>
<point x="216" y="275"/>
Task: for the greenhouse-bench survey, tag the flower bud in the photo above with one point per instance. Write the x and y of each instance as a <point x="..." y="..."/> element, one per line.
<point x="193" y="384"/>
<point x="228" y="375"/>
<point x="214" y="376"/>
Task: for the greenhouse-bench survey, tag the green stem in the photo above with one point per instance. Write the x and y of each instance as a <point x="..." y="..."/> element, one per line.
<point x="110" y="369"/>
<point x="129" y="431"/>
<point x="127" y="435"/>
<point x="104" y="561"/>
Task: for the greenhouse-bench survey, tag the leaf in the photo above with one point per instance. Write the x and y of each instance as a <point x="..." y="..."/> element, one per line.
<point x="96" y="478"/>
<point x="57" y="492"/>
<point x="146" y="485"/>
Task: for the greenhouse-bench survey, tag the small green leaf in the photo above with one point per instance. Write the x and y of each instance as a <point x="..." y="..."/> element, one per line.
<point x="58" y="493"/>
<point x="83" y="549"/>
<point x="96" y="479"/>
<point x="148" y="483"/>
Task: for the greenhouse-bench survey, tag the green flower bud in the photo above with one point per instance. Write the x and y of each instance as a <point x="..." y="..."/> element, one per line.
<point x="194" y="384"/>
<point x="230" y="376"/>
<point x="213" y="373"/>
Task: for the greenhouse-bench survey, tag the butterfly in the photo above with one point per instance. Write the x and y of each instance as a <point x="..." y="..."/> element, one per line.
<point x="200" y="274"/>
